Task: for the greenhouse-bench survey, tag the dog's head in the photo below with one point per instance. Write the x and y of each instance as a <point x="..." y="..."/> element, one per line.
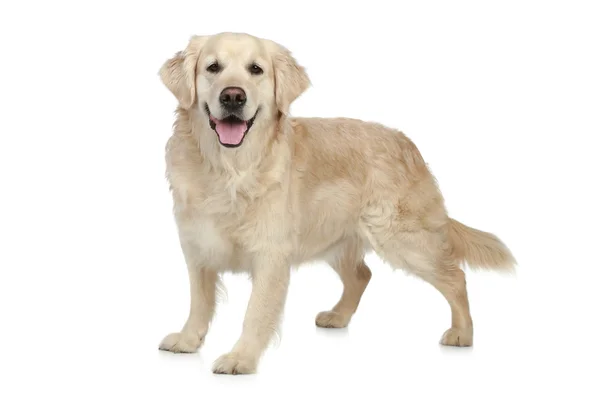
<point x="234" y="81"/>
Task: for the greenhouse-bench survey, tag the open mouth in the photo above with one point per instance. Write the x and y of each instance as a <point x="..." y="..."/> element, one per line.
<point x="230" y="130"/>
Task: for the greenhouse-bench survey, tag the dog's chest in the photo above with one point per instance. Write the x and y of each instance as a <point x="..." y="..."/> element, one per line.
<point x="218" y="219"/>
<point x="225" y="215"/>
<point x="205" y="239"/>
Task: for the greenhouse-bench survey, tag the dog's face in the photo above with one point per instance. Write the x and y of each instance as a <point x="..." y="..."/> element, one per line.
<point x="234" y="81"/>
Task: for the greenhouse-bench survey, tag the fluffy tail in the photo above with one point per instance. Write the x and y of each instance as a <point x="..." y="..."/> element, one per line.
<point x="480" y="250"/>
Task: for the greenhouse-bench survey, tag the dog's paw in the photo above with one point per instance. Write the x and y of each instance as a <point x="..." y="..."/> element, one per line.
<point x="457" y="337"/>
<point x="234" y="364"/>
<point x="182" y="342"/>
<point x="331" y="319"/>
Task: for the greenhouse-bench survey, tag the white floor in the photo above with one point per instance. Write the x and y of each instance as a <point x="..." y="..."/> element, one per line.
<point x="529" y="342"/>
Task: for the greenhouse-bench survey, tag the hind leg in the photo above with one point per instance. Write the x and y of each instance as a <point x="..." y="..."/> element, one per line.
<point x="450" y="281"/>
<point x="355" y="276"/>
<point x="427" y="255"/>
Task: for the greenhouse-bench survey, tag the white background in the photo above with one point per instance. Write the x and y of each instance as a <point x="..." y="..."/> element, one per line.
<point x="503" y="101"/>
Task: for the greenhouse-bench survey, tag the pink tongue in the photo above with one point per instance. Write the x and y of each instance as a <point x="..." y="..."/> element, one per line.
<point x="230" y="133"/>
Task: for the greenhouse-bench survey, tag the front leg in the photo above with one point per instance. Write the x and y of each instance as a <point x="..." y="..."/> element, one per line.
<point x="270" y="281"/>
<point x="203" y="287"/>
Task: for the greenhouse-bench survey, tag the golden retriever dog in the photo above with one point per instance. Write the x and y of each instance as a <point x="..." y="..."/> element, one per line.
<point x="258" y="191"/>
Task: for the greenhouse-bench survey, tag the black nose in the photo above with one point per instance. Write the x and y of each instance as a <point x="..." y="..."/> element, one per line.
<point x="232" y="97"/>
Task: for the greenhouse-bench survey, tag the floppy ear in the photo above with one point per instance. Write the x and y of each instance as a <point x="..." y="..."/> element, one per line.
<point x="291" y="79"/>
<point x="179" y="72"/>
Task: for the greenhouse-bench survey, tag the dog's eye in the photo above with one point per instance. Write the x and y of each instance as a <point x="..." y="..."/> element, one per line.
<point x="214" y="67"/>
<point x="255" y="69"/>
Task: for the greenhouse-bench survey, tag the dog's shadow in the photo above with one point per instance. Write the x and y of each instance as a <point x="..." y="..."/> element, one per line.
<point x="194" y="358"/>
<point x="332" y="332"/>
<point x="454" y="351"/>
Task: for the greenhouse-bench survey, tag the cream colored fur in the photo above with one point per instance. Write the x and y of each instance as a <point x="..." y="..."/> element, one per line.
<point x="298" y="190"/>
